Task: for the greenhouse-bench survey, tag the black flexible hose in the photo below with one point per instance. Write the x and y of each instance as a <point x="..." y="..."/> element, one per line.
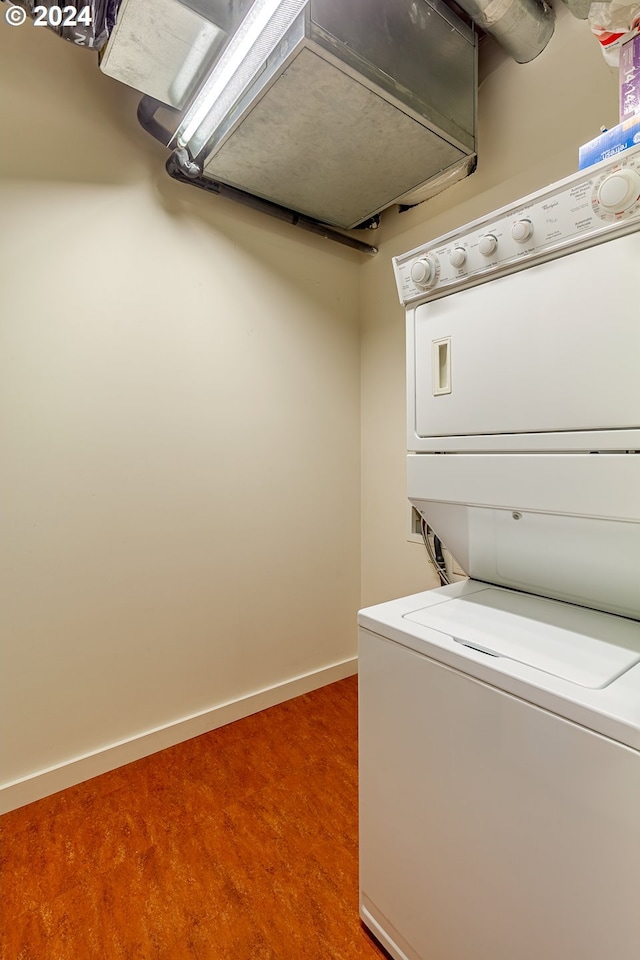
<point x="147" y="109"/>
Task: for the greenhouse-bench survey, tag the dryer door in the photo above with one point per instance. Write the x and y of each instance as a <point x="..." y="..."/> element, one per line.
<point x="551" y="348"/>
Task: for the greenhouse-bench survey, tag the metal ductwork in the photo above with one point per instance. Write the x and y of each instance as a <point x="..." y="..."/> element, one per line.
<point x="325" y="112"/>
<point x="579" y="8"/>
<point x="523" y="28"/>
<point x="333" y="110"/>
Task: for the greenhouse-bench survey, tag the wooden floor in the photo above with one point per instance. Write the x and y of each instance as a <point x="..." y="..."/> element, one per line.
<point x="241" y="844"/>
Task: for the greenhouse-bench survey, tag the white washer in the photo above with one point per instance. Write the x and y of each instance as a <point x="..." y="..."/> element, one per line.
<point x="499" y="779"/>
<point x="500" y="717"/>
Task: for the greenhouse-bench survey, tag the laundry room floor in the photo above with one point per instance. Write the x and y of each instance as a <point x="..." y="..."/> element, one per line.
<point x="241" y="843"/>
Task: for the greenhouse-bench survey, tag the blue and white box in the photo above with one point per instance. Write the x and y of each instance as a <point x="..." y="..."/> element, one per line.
<point x="610" y="143"/>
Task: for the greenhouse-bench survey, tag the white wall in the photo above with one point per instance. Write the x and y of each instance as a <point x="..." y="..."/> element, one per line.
<point x="179" y="403"/>
<point x="531" y="120"/>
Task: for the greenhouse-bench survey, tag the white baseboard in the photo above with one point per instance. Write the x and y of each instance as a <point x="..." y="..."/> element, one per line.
<point x="45" y="782"/>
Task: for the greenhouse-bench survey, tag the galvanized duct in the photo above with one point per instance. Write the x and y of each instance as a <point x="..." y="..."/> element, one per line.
<point x="579" y="8"/>
<point x="522" y="27"/>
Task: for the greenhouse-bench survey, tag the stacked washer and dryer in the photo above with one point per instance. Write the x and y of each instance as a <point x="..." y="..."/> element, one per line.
<point x="500" y="716"/>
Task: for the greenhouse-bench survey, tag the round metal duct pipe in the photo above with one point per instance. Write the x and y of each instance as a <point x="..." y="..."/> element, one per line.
<point x="522" y="27"/>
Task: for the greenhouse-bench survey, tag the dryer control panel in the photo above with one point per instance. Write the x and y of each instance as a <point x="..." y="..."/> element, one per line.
<point x="587" y="208"/>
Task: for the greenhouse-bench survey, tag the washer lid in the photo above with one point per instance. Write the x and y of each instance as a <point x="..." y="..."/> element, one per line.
<point x="583" y="646"/>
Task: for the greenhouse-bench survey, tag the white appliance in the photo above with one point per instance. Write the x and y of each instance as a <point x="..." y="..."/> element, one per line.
<point x="500" y="716"/>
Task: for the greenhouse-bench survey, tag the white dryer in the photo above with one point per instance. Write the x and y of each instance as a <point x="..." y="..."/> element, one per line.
<point x="500" y="717"/>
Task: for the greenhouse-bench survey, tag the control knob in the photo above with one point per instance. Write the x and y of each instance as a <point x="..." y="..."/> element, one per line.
<point x="423" y="271"/>
<point x="487" y="244"/>
<point x="458" y="257"/>
<point x="522" y="230"/>
<point x="619" y="190"/>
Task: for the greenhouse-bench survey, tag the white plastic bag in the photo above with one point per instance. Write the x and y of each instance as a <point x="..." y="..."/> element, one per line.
<point x="612" y="24"/>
